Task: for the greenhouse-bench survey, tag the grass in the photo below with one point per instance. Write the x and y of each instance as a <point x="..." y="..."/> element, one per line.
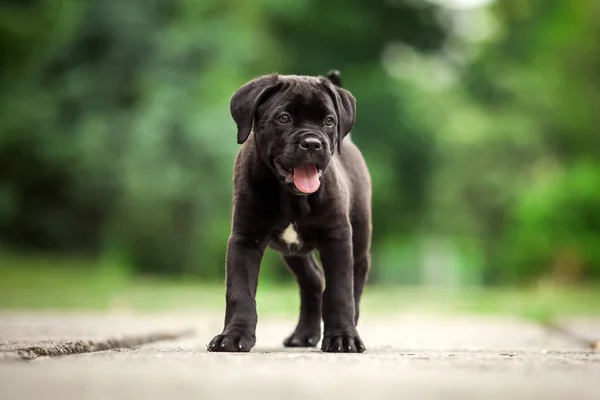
<point x="36" y="284"/>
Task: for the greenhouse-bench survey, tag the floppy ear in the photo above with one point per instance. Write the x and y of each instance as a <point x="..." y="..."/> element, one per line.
<point x="345" y="108"/>
<point x="246" y="99"/>
<point x="335" y="77"/>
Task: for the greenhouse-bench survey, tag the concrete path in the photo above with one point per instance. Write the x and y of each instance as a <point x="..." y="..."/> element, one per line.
<point x="408" y="356"/>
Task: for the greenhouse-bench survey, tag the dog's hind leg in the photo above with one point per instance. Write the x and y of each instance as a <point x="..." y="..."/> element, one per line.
<point x="361" y="247"/>
<point x="310" y="279"/>
<point x="361" y="272"/>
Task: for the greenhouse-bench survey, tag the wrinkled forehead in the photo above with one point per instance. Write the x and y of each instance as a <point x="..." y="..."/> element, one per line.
<point x="305" y="95"/>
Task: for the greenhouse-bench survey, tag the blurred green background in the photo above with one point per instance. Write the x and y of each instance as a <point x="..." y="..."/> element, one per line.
<point x="478" y="120"/>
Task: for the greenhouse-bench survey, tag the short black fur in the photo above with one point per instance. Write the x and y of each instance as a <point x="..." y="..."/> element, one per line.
<point x="335" y="220"/>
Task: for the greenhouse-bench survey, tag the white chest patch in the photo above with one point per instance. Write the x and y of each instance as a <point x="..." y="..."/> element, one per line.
<point x="290" y="236"/>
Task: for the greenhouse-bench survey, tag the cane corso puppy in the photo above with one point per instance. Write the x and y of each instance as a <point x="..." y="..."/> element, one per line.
<point x="298" y="187"/>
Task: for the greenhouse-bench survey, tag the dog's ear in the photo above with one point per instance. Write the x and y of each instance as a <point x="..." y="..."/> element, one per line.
<point x="345" y="108"/>
<point x="245" y="101"/>
<point x="335" y="77"/>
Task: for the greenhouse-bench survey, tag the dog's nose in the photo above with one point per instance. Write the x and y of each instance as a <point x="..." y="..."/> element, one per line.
<point x="311" y="144"/>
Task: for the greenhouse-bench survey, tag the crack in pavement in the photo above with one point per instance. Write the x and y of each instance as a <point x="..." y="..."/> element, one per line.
<point x="66" y="348"/>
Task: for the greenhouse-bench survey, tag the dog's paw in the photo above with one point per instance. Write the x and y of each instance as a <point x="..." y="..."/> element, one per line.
<point x="232" y="342"/>
<point x="303" y="336"/>
<point x="342" y="343"/>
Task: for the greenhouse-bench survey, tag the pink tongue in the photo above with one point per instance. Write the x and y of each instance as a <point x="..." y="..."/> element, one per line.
<point x="306" y="178"/>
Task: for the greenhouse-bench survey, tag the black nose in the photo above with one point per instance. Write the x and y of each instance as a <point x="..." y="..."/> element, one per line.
<point x="311" y="144"/>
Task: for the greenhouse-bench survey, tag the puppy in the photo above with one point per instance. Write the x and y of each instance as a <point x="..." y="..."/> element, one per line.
<point x="298" y="187"/>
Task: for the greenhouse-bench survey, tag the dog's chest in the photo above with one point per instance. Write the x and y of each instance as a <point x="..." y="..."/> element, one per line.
<point x="290" y="236"/>
<point x="293" y="232"/>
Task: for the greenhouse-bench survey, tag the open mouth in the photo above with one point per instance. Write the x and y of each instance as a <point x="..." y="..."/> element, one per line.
<point x="305" y="177"/>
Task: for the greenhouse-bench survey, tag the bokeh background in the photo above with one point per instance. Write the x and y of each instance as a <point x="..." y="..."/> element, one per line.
<point x="478" y="119"/>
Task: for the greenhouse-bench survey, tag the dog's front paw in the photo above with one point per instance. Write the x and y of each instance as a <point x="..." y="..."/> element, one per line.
<point x="303" y="336"/>
<point x="232" y="342"/>
<point x="345" y="342"/>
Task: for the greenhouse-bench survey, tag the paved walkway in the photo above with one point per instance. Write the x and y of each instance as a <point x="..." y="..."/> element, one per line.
<point x="408" y="356"/>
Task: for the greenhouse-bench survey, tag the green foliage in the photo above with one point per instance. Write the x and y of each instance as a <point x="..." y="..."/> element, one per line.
<point x="558" y="221"/>
<point x="116" y="139"/>
<point x="67" y="283"/>
<point x="519" y="167"/>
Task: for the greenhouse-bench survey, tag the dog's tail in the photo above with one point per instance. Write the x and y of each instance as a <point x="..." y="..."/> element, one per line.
<point x="335" y="77"/>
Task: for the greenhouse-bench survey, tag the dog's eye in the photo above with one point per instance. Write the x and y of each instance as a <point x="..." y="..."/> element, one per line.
<point x="284" y="119"/>
<point x="329" y="121"/>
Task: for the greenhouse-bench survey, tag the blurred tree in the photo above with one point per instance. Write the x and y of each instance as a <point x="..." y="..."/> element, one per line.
<point x="113" y="115"/>
<point x="115" y="133"/>
<point x="534" y="154"/>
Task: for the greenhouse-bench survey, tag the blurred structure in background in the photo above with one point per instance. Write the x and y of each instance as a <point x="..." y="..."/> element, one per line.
<point x="479" y="121"/>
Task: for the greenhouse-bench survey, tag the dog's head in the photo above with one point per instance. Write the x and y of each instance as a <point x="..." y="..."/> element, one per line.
<point x="298" y="122"/>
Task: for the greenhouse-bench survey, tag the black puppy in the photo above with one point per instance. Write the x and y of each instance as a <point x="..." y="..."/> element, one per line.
<point x="298" y="187"/>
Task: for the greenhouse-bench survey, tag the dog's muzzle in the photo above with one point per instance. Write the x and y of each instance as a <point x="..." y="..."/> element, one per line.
<point x="303" y="161"/>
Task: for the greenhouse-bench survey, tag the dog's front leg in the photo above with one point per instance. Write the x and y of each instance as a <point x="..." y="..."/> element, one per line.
<point x="244" y="255"/>
<point x="340" y="334"/>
